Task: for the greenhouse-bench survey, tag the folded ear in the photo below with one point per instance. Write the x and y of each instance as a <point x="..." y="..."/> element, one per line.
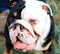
<point x="47" y="8"/>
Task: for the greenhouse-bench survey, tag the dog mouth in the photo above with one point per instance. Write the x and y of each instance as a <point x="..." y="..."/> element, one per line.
<point x="19" y="45"/>
<point x="24" y="43"/>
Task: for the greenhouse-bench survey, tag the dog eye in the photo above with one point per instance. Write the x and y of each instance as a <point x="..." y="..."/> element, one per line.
<point x="22" y="27"/>
<point x="33" y="22"/>
<point x="14" y="27"/>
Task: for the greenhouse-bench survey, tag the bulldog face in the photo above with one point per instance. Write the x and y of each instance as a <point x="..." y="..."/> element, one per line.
<point x="30" y="32"/>
<point x="37" y="15"/>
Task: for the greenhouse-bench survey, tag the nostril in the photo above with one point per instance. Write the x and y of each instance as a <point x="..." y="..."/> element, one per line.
<point x="21" y="35"/>
<point x="18" y="34"/>
<point x="17" y="39"/>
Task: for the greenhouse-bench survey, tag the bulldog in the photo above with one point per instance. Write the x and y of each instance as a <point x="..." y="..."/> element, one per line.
<point x="34" y="31"/>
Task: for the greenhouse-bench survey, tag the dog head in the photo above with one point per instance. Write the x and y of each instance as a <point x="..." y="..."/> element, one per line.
<point x="30" y="32"/>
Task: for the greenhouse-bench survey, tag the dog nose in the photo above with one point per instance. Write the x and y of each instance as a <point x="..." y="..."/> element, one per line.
<point x="18" y="34"/>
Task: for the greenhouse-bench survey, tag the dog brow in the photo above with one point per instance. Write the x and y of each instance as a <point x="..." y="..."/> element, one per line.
<point x="32" y="21"/>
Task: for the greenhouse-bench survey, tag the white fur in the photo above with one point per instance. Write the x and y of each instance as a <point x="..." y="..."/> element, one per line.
<point x="12" y="35"/>
<point x="33" y="10"/>
<point x="37" y="3"/>
<point x="27" y="38"/>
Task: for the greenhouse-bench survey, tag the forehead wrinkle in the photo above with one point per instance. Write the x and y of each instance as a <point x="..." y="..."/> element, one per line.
<point x="34" y="13"/>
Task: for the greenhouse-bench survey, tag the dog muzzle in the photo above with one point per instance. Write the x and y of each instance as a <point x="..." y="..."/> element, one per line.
<point x="22" y="35"/>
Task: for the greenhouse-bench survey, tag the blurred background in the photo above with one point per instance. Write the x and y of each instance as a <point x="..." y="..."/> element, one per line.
<point x="55" y="5"/>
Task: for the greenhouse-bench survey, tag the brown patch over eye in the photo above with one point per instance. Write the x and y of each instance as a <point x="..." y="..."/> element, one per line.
<point x="15" y="14"/>
<point x="33" y="21"/>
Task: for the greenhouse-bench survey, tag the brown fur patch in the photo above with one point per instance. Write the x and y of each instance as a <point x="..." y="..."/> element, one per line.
<point x="5" y="52"/>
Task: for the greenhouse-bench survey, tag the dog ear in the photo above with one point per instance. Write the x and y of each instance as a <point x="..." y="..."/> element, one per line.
<point x="47" y="8"/>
